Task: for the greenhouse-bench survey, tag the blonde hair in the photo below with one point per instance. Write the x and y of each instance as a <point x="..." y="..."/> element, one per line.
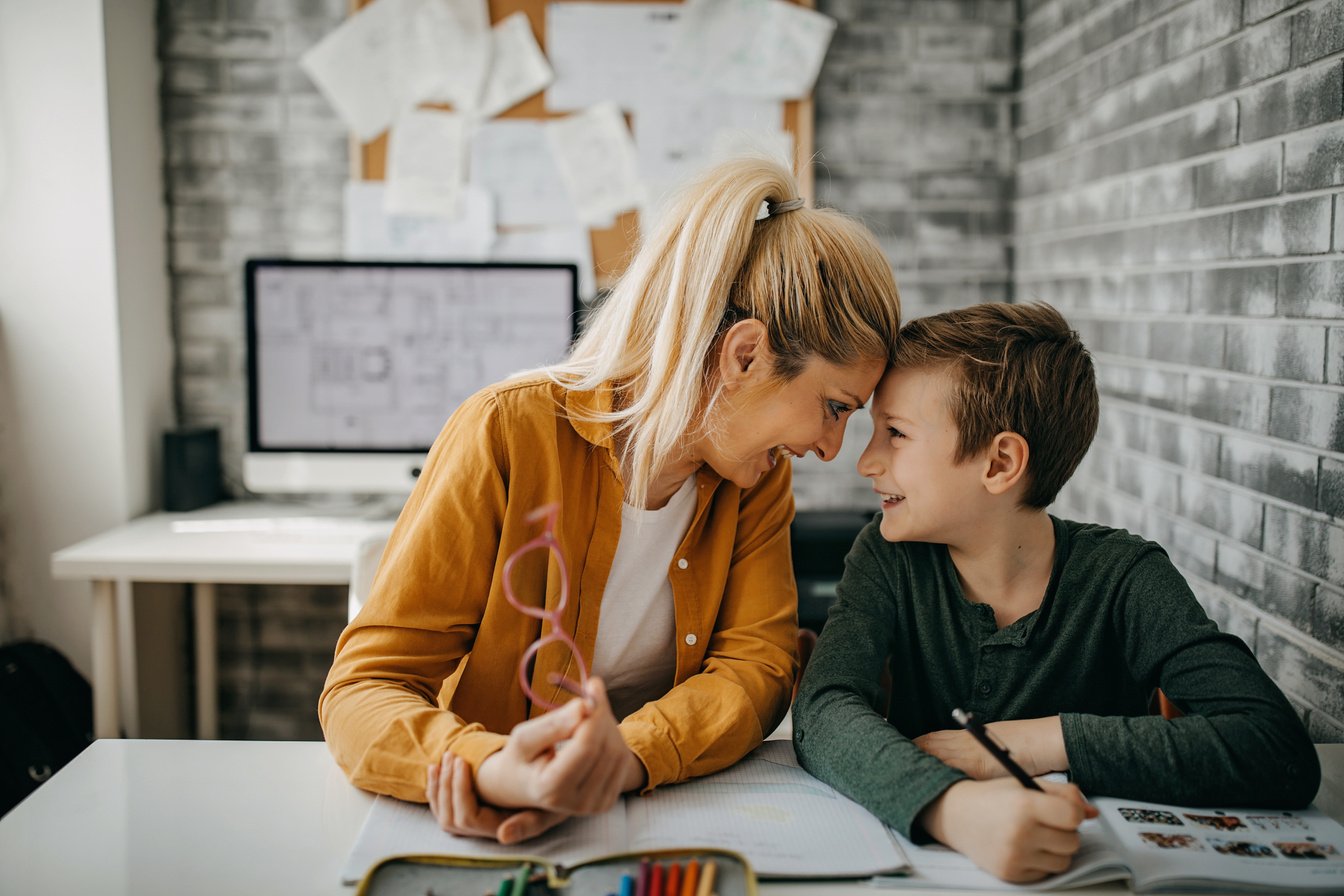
<point x="815" y="278"/>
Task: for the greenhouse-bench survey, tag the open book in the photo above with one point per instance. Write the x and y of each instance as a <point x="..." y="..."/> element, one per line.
<point x="785" y="822"/>
<point x="1158" y="847"/>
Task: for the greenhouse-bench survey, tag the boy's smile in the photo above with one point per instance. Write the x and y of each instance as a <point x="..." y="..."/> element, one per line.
<point x="925" y="494"/>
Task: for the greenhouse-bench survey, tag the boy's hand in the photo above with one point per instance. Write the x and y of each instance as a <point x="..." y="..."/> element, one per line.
<point x="1016" y="834"/>
<point x="1036" y="744"/>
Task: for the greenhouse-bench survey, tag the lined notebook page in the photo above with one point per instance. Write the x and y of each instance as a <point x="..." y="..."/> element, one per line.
<point x="786" y="822"/>
<point x="394" y="827"/>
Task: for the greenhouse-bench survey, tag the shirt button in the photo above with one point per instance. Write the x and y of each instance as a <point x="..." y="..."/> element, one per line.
<point x="682" y="564"/>
<point x="985" y="688"/>
<point x="690" y="640"/>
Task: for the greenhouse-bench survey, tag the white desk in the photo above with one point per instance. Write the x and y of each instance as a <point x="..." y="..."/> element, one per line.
<point x="240" y="542"/>
<point x="150" y="817"/>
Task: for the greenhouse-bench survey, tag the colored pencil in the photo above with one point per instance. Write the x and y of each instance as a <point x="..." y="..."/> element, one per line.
<point x="707" y="879"/>
<point x="690" y="878"/>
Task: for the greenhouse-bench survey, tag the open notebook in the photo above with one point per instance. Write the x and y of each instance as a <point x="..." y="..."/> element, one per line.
<point x="784" y="821"/>
<point x="1170" y="848"/>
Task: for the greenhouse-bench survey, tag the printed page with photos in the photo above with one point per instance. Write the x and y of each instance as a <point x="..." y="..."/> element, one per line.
<point x="1158" y="847"/>
<point x="1254" y="850"/>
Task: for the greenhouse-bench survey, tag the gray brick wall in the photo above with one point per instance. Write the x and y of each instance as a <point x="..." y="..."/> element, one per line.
<point x="914" y="136"/>
<point x="1179" y="182"/>
<point x="256" y="163"/>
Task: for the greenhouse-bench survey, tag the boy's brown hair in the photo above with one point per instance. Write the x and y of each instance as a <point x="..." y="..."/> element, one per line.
<point x="1018" y="368"/>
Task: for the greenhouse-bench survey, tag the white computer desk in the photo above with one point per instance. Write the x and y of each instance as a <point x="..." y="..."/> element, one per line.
<point x="150" y="817"/>
<point x="241" y="542"/>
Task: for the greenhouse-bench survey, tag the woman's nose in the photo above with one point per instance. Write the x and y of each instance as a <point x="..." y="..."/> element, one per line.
<point x="828" y="446"/>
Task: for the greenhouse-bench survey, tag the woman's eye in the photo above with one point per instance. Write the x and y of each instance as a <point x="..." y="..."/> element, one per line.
<point x="837" y="408"/>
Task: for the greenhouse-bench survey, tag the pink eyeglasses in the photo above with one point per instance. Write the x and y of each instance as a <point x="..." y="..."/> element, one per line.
<point x="547" y="514"/>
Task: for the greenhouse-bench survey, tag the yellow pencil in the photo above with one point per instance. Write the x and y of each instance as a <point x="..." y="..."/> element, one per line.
<point x="707" y="878"/>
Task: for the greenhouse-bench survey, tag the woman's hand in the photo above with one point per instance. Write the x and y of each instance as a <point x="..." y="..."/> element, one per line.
<point x="1036" y="744"/>
<point x="1016" y="834"/>
<point x="572" y="760"/>
<point x="452" y="799"/>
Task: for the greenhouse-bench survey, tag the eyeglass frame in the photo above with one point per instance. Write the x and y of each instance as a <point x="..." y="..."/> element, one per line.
<point x="547" y="514"/>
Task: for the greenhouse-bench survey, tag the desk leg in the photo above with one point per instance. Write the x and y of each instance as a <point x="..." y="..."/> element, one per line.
<point x="106" y="686"/>
<point x="207" y="686"/>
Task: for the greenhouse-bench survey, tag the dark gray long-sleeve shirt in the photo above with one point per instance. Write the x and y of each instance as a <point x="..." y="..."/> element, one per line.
<point x="1117" y="621"/>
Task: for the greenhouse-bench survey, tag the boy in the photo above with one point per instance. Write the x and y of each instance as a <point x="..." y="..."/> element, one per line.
<point x="1055" y="632"/>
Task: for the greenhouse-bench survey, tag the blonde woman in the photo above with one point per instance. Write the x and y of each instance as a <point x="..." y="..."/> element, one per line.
<point x="660" y="447"/>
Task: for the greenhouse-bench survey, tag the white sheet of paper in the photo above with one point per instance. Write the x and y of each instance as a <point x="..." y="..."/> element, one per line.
<point x="448" y="47"/>
<point x="678" y="137"/>
<point x="393" y="54"/>
<point x="512" y="158"/>
<point x="596" y="157"/>
<point x="761" y="48"/>
<point x="517" y="68"/>
<point x="371" y="233"/>
<point x="351" y="67"/>
<point x="426" y="158"/>
<point x="567" y="244"/>
<point x="609" y="51"/>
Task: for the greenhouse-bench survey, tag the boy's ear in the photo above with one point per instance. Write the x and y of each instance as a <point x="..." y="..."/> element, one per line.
<point x="1005" y="462"/>
<point x="743" y="354"/>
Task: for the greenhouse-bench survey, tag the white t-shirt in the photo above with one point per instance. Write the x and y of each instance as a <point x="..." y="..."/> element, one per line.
<point x="636" y="652"/>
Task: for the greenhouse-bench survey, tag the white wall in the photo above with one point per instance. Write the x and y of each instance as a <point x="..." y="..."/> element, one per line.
<point x="86" y="357"/>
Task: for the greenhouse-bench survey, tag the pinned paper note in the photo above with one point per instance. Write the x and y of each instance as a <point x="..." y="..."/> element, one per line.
<point x="351" y="67"/>
<point x="371" y="233"/>
<point x="609" y="51"/>
<point x="518" y="68"/>
<point x="512" y="159"/>
<point x="394" y="54"/>
<point x="597" y="162"/>
<point x="426" y="157"/>
<point x="675" y="138"/>
<point x="448" y="50"/>
<point x="758" y="48"/>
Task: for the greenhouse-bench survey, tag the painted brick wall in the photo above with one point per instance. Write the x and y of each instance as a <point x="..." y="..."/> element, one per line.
<point x="1179" y="197"/>
<point x="256" y="163"/>
<point x="914" y="136"/>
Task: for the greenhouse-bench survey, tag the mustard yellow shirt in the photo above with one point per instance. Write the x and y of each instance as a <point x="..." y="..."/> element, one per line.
<point x="430" y="663"/>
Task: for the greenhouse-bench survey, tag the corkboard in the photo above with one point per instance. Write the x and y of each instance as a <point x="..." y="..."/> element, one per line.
<point x="612" y="246"/>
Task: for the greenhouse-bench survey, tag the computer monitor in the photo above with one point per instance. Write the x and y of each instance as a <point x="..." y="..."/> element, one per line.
<point x="353" y="366"/>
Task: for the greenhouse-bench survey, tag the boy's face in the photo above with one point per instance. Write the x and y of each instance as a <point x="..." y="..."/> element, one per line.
<point x="925" y="494"/>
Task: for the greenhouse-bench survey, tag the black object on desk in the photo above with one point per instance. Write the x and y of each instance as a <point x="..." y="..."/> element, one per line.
<point x="820" y="539"/>
<point x="191" y="470"/>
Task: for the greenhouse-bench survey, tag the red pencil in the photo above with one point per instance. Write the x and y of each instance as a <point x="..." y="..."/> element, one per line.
<point x="656" y="880"/>
<point x="673" y="882"/>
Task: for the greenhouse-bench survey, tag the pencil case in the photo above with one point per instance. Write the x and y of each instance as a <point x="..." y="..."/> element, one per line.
<point x="440" y="875"/>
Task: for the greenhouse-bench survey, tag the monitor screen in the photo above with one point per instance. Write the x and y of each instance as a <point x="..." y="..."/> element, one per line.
<point x="356" y="365"/>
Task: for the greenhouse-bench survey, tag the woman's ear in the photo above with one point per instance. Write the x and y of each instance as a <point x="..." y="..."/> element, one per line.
<point x="1005" y="462"/>
<point x="744" y="354"/>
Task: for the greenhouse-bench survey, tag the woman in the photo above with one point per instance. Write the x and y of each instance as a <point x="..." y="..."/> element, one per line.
<point x="731" y="344"/>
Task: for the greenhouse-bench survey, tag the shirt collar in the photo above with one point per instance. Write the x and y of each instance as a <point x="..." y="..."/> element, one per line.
<point x="582" y="404"/>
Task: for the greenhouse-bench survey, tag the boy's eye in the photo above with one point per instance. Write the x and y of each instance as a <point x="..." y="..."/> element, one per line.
<point x="837" y="408"/>
<point x="895" y="433"/>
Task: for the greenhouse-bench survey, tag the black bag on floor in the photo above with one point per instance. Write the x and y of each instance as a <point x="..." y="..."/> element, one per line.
<point x="46" y="717"/>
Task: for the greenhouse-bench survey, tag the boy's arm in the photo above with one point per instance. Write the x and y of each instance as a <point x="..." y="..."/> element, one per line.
<point x="1239" y="742"/>
<point x="837" y="734"/>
